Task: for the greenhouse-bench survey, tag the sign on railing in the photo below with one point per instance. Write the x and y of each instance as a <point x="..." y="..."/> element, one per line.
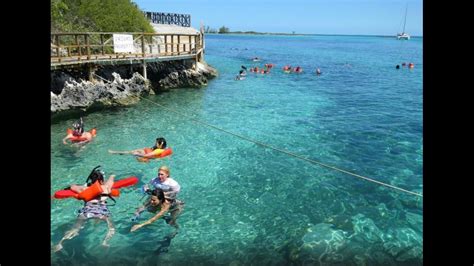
<point x="183" y="20"/>
<point x="72" y="48"/>
<point x="123" y="43"/>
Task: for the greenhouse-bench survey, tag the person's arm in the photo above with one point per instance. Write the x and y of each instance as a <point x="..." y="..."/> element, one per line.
<point x="164" y="208"/>
<point x="66" y="138"/>
<point x="138" y="212"/>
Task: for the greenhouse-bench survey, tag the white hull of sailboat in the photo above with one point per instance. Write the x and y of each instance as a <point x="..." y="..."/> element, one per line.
<point x="403" y="36"/>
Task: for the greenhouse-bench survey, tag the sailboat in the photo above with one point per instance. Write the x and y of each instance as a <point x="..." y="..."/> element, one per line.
<point x="404" y="35"/>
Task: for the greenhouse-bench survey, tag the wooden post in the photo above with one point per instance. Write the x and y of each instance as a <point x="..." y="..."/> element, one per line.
<point x="189" y="44"/>
<point x="57" y="48"/>
<point x="143" y="45"/>
<point x="144" y="69"/>
<point x="78" y="47"/>
<point x="172" y="45"/>
<point x="179" y="44"/>
<point x="102" y="43"/>
<point x="91" y="69"/>
<point x="86" y="36"/>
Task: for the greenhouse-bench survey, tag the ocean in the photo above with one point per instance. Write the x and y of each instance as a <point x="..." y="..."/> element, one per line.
<point x="246" y="203"/>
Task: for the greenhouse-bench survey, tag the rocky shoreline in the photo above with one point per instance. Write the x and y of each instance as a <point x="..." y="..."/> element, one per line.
<point x="122" y="85"/>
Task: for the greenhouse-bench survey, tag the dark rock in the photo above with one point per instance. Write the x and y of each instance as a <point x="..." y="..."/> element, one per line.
<point x="121" y="85"/>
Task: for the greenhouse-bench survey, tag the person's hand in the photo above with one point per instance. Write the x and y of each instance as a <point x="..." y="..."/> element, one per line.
<point x="136" y="227"/>
<point x="64" y="142"/>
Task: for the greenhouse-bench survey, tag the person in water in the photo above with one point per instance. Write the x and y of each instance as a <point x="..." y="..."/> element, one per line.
<point x="165" y="202"/>
<point x="397" y="67"/>
<point x="318" y="71"/>
<point x="95" y="208"/>
<point x="78" y="131"/>
<point x="158" y="148"/>
<point x="241" y="75"/>
<point x="159" y="204"/>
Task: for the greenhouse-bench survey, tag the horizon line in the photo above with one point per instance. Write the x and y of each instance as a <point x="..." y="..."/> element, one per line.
<point x="313" y="34"/>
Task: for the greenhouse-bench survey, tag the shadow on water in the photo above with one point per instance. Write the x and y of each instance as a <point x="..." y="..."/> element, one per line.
<point x="164" y="244"/>
<point x="71" y="154"/>
<point x="77" y="113"/>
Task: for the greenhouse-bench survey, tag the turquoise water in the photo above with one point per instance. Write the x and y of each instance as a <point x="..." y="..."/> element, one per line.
<point x="246" y="204"/>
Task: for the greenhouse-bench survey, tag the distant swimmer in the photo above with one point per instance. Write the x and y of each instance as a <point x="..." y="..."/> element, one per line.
<point x="404" y="64"/>
<point x="298" y="69"/>
<point x="411" y="65"/>
<point x="318" y="71"/>
<point x="255" y="59"/>
<point x="397" y="67"/>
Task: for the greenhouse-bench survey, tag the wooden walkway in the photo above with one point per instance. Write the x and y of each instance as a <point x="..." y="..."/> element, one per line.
<point x="98" y="48"/>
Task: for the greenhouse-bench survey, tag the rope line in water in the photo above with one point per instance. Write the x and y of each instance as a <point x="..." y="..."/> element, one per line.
<point x="280" y="150"/>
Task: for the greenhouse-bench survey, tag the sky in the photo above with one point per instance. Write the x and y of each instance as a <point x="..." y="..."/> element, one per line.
<point x="353" y="17"/>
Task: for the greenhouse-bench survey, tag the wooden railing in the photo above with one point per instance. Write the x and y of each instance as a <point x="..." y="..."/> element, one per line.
<point x="90" y="46"/>
<point x="183" y="20"/>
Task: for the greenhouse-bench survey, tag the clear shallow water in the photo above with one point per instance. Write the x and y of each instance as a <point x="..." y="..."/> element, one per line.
<point x="246" y="204"/>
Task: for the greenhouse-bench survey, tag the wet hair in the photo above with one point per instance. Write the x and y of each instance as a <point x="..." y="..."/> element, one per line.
<point x="161" y="141"/>
<point x="95" y="175"/>
<point x="158" y="193"/>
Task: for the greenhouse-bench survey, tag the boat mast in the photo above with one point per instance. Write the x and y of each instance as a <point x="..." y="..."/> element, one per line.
<point x="405" y="22"/>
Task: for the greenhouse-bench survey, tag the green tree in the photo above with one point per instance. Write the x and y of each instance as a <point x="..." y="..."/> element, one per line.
<point x="223" y="29"/>
<point x="98" y="15"/>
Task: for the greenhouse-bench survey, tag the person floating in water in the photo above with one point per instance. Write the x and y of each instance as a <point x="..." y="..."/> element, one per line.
<point x="241" y="75"/>
<point x="397" y="67"/>
<point x="298" y="69"/>
<point x="163" y="190"/>
<point x="95" y="193"/>
<point x="157" y="149"/>
<point x="318" y="71"/>
<point x="77" y="134"/>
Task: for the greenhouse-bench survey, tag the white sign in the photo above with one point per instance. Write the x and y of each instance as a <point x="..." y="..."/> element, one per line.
<point x="123" y="43"/>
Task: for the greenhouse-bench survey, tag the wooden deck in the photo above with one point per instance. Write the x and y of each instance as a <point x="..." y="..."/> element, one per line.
<point x="76" y="49"/>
